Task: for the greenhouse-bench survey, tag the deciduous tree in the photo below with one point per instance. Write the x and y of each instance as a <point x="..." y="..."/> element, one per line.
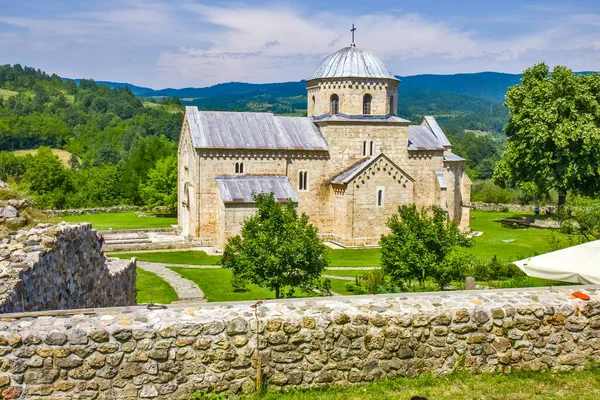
<point x="277" y="249"/>
<point x="423" y="245"/>
<point x="553" y="132"/>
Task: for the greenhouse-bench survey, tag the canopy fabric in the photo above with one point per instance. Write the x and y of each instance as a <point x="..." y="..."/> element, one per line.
<point x="577" y="264"/>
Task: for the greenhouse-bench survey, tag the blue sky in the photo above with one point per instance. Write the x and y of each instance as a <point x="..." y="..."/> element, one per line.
<point x="167" y="43"/>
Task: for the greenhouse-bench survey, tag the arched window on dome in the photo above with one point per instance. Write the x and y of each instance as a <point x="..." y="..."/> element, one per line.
<point x="367" y="104"/>
<point x="312" y="106"/>
<point x="335" y="104"/>
<point x="392" y="106"/>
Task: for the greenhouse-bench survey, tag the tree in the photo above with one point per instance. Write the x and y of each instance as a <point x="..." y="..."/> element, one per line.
<point x="48" y="179"/>
<point x="160" y="188"/>
<point x="423" y="245"/>
<point x="581" y="216"/>
<point x="277" y="249"/>
<point x="553" y="132"/>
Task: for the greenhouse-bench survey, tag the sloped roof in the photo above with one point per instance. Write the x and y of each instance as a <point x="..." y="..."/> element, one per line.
<point x="370" y="118"/>
<point x="239" y="189"/>
<point x="352" y="62"/>
<point x="437" y="131"/>
<point x="348" y="175"/>
<point x="453" y="157"/>
<point x="250" y="130"/>
<point x="420" y="137"/>
<point x="441" y="179"/>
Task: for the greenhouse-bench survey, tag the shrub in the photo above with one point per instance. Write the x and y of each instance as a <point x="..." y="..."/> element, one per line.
<point x="488" y="192"/>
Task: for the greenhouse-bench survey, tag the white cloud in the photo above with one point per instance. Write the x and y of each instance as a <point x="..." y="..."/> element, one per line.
<point x="162" y="43"/>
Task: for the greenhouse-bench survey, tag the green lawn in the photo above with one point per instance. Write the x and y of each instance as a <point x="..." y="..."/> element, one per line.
<point x="575" y="385"/>
<point x="339" y="286"/>
<point x="127" y="220"/>
<point x="346" y="272"/>
<point x="216" y="285"/>
<point x="527" y="242"/>
<point x="153" y="289"/>
<point x="190" y="257"/>
<point x="353" y="257"/>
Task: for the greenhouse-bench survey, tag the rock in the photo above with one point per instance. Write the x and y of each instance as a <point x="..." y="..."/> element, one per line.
<point x="10" y="212"/>
<point x="15" y="223"/>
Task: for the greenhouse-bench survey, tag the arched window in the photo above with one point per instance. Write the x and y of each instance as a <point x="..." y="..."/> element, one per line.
<point x="392" y="106"/>
<point x="371" y="148"/>
<point x="379" y="197"/>
<point x="312" y="109"/>
<point x="239" y="167"/>
<point x="367" y="104"/>
<point x="335" y="104"/>
<point x="364" y="148"/>
<point x="186" y="158"/>
<point x="303" y="180"/>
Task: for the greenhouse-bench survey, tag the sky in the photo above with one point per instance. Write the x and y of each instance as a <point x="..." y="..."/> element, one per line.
<point x="196" y="43"/>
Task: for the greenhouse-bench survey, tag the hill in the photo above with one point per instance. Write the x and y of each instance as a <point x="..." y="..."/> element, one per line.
<point x="487" y="85"/>
<point x="137" y="90"/>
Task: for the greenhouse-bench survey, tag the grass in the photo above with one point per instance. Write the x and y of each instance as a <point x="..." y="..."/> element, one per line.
<point x="216" y="285"/>
<point x="353" y="257"/>
<point x="62" y="155"/>
<point x="126" y="220"/>
<point x="527" y="242"/>
<point x="4" y="93"/>
<point x="346" y="272"/>
<point x="190" y="257"/>
<point x="339" y="286"/>
<point x="153" y="289"/>
<point x="574" y="385"/>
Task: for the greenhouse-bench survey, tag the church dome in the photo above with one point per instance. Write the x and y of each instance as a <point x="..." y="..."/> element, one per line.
<point x="351" y="62"/>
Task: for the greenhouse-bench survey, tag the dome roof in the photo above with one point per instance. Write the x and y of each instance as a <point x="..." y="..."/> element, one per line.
<point x="351" y="62"/>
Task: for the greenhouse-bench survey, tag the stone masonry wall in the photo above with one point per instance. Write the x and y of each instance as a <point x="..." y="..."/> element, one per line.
<point x="61" y="267"/>
<point x="476" y="205"/>
<point x="138" y="353"/>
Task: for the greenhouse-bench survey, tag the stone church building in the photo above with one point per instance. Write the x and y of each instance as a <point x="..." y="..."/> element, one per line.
<point x="349" y="164"/>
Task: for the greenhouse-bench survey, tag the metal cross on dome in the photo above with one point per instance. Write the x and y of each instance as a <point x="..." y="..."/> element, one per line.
<point x="352" y="30"/>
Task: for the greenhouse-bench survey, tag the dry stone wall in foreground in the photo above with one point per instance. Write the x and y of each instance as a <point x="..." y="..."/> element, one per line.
<point x="138" y="353"/>
<point x="61" y="267"/>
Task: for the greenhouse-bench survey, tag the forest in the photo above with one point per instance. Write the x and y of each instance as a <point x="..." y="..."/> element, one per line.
<point x="122" y="145"/>
<point x="115" y="141"/>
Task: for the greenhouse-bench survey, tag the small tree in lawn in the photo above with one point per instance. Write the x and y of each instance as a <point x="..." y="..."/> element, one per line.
<point x="423" y="245"/>
<point x="277" y="249"/>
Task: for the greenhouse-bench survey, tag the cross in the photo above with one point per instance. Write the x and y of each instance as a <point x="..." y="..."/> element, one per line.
<point x="352" y="30"/>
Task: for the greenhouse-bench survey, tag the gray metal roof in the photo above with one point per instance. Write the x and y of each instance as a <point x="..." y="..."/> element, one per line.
<point x="441" y="179"/>
<point x="453" y="157"/>
<point x="250" y="130"/>
<point x="370" y="118"/>
<point x="352" y="172"/>
<point x="352" y="62"/>
<point x="239" y="189"/>
<point x="437" y="131"/>
<point x="420" y="137"/>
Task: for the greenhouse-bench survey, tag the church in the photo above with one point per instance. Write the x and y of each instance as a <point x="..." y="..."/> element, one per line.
<point x="348" y="164"/>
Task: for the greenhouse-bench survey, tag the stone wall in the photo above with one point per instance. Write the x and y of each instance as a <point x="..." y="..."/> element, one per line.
<point x="138" y="353"/>
<point x="477" y="205"/>
<point x="61" y="267"/>
<point x="103" y="210"/>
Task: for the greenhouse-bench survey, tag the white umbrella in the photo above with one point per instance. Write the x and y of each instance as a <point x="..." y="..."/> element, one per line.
<point x="577" y="264"/>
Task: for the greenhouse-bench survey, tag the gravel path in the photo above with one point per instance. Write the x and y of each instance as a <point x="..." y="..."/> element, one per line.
<point x="185" y="289"/>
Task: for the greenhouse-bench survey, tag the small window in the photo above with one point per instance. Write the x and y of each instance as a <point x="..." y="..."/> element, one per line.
<point x="371" y="148"/>
<point x="367" y="104"/>
<point x="239" y="167"/>
<point x="186" y="158"/>
<point x="364" y="153"/>
<point x="392" y="106"/>
<point x="303" y="180"/>
<point x="335" y="104"/>
<point x="380" y="194"/>
<point x="313" y="105"/>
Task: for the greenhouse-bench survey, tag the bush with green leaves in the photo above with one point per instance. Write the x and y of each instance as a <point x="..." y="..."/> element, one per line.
<point x="423" y="244"/>
<point x="277" y="249"/>
<point x="581" y="216"/>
